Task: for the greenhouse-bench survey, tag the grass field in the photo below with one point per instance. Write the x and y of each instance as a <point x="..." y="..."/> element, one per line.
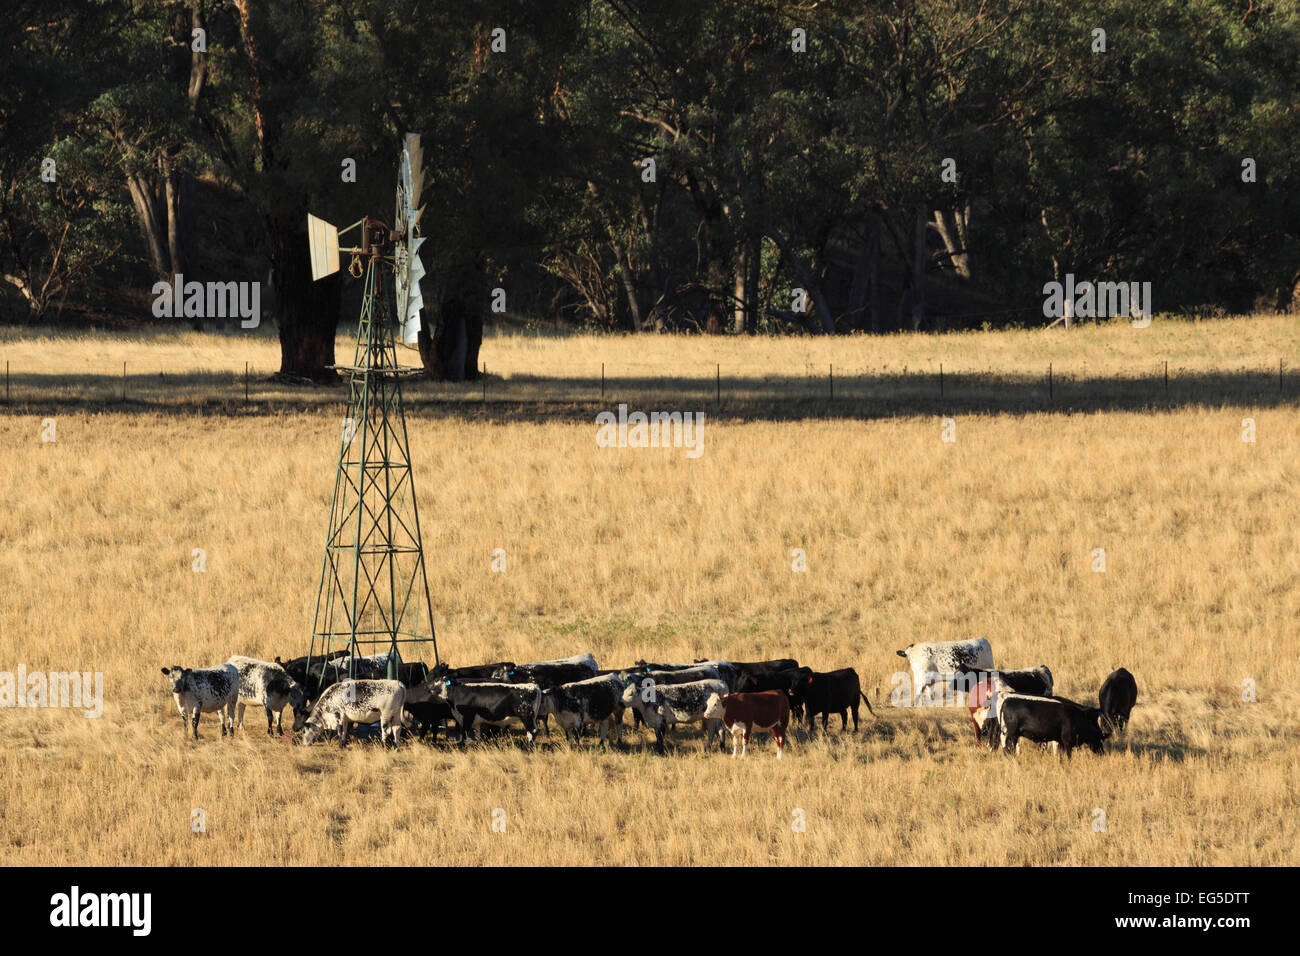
<point x="643" y="552"/>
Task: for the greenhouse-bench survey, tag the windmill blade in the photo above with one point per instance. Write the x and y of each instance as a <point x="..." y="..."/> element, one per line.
<point x="408" y="268"/>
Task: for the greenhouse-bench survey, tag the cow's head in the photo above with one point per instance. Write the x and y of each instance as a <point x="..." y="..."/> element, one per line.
<point x="301" y="706"/>
<point x="438" y="671"/>
<point x="903" y="652"/>
<point x="312" y="731"/>
<point x="713" y="706"/>
<point x="177" y="675"/>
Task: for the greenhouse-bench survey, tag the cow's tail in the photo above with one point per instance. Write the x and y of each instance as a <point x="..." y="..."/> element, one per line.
<point x="867" y="702"/>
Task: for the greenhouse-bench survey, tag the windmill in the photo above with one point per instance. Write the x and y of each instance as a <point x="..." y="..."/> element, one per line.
<point x="374" y="591"/>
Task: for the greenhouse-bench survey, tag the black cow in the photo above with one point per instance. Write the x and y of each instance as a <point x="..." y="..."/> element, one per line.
<point x="426" y="710"/>
<point x="1047" y="720"/>
<point x="473" y="704"/>
<point x="479" y="672"/>
<point x="297" y="668"/>
<point x="547" y="674"/>
<point x="834" y="692"/>
<point x="1118" y="694"/>
<point x="782" y="680"/>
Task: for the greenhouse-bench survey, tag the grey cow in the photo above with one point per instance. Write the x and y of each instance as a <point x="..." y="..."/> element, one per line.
<point x="202" y="690"/>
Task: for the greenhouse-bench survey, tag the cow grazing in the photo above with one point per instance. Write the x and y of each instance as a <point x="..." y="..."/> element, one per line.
<point x="663" y="705"/>
<point x="1117" y="696"/>
<point x="743" y="713"/>
<point x="473" y="705"/>
<point x="834" y="692"/>
<point x="938" y="662"/>
<point x="358" y="702"/>
<point x="1048" y="720"/>
<point x="203" y="690"/>
<point x="597" y="700"/>
<point x="1033" y="681"/>
<point x="268" y="684"/>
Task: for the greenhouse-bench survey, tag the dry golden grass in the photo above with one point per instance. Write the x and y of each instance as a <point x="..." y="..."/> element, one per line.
<point x="642" y="552"/>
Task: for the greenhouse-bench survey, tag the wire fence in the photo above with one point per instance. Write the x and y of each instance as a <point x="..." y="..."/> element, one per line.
<point x="715" y="385"/>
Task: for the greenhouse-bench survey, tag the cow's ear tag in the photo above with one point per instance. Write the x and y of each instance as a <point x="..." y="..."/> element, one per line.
<point x="810" y="680"/>
<point x="447" y="683"/>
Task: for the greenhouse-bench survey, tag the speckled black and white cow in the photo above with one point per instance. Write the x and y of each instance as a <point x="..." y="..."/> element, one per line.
<point x="358" y="702"/>
<point x="597" y="700"/>
<point x="662" y="706"/>
<point x="203" y="690"/>
<point x="936" y="663"/>
<point x="728" y="672"/>
<point x="269" y="684"/>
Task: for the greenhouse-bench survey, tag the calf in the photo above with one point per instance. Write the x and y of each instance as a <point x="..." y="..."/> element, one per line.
<point x="203" y="690"/>
<point x="1117" y="696"/>
<point x="358" y="702"/>
<point x="1048" y="720"/>
<point x="473" y="705"/>
<point x="834" y="692"/>
<point x="742" y="713"/>
<point x="597" y="700"/>
<point x="427" y="712"/>
<point x="937" y="662"/>
<point x="662" y="706"/>
<point x="1033" y="681"/>
<point x="261" y="682"/>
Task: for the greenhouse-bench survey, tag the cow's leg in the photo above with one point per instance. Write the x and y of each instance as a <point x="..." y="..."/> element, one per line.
<point x="269" y="718"/>
<point x="844" y="721"/>
<point x="198" y="709"/>
<point x="735" y="737"/>
<point x="239" y="713"/>
<point x="778" y="734"/>
<point x="344" y="727"/>
<point x="744" y="739"/>
<point x="826" y="721"/>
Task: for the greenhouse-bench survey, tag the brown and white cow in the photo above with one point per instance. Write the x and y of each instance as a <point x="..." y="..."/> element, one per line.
<point x="743" y="713"/>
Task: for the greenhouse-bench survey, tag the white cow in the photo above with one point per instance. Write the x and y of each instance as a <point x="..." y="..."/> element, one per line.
<point x="938" y="662"/>
<point x="358" y="702"/>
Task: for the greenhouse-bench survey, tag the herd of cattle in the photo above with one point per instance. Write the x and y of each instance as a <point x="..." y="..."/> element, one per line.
<point x="739" y="697"/>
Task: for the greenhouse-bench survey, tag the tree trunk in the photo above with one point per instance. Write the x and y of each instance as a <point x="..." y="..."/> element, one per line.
<point x="306" y="311"/>
<point x="918" y="267"/>
<point x="873" y="273"/>
<point x="738" y="306"/>
<point x="151" y="227"/>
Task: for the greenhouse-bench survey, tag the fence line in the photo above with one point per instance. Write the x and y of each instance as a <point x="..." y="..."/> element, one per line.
<point x="906" y="378"/>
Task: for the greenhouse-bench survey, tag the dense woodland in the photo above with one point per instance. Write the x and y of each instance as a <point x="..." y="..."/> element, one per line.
<point x="794" y="145"/>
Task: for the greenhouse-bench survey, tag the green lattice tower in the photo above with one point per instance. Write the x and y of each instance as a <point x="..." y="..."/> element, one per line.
<point x="374" y="592"/>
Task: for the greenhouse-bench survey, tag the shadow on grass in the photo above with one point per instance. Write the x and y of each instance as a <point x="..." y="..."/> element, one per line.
<point x="753" y="398"/>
